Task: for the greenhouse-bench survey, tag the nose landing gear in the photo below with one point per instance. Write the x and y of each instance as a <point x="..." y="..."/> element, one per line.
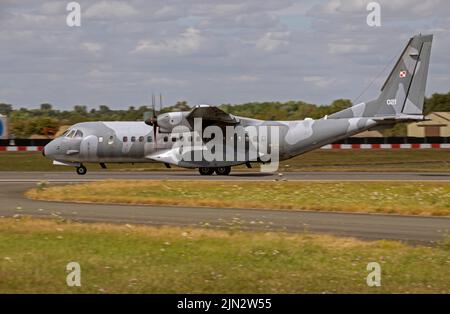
<point x="81" y="170"/>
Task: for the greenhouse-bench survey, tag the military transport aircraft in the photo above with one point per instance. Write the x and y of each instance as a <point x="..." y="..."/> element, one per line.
<point x="184" y="138"/>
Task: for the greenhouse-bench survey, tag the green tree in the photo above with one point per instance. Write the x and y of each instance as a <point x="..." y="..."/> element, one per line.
<point x="82" y="110"/>
<point x="437" y="102"/>
<point x="179" y="106"/>
<point x="46" y="107"/>
<point x="5" y="109"/>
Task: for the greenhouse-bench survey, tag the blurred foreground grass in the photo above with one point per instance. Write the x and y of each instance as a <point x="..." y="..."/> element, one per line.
<point x="137" y="259"/>
<point x="415" y="198"/>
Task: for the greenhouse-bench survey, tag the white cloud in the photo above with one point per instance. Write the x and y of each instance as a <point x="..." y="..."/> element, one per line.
<point x="168" y="12"/>
<point x="188" y="42"/>
<point x="273" y="40"/>
<point x="402" y="9"/>
<point x="92" y="47"/>
<point x="347" y="48"/>
<point x="161" y="81"/>
<point x="53" y="7"/>
<point x="319" y="81"/>
<point x="110" y="10"/>
<point x="246" y="78"/>
<point x="208" y="51"/>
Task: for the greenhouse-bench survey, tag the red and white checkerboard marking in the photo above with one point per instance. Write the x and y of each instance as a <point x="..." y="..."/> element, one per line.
<point x="329" y="146"/>
<point x="387" y="146"/>
<point x="402" y="74"/>
<point x="21" y="148"/>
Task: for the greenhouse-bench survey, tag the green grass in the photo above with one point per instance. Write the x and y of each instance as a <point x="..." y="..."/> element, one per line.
<point x="119" y="259"/>
<point x="433" y="160"/>
<point x="416" y="198"/>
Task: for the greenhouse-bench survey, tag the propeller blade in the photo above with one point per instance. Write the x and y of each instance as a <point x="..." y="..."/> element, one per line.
<point x="155" y="144"/>
<point x="153" y="106"/>
<point x="154" y="123"/>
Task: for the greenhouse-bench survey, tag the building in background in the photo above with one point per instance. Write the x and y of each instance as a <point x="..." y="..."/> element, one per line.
<point x="3" y="127"/>
<point x="437" y="125"/>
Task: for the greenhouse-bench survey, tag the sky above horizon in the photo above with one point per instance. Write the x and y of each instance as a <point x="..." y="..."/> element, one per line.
<point x="210" y="51"/>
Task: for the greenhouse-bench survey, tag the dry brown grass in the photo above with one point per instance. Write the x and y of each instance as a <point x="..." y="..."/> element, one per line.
<point x="414" y="198"/>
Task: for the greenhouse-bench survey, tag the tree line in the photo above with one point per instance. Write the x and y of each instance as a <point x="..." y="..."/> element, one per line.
<point x="24" y="122"/>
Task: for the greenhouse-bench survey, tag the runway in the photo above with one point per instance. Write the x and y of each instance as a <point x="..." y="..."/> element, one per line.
<point x="169" y="174"/>
<point x="412" y="229"/>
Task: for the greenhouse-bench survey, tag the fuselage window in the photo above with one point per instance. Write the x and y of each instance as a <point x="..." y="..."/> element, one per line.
<point x="149" y="139"/>
<point x="100" y="139"/>
<point x="125" y="139"/>
<point x="165" y="139"/>
<point x="111" y="139"/>
<point x="133" y="138"/>
<point x="141" y="139"/>
<point x="174" y="139"/>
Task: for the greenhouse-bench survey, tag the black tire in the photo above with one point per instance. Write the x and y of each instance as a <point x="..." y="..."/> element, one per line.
<point x="204" y="171"/>
<point x="81" y="170"/>
<point x="223" y="171"/>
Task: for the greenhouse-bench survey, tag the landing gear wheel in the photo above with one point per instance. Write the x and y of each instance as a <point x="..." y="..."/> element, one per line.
<point x="81" y="170"/>
<point x="223" y="171"/>
<point x="204" y="171"/>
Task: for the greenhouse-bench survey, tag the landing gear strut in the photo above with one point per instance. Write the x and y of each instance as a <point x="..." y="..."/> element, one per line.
<point x="81" y="170"/>
<point x="223" y="171"/>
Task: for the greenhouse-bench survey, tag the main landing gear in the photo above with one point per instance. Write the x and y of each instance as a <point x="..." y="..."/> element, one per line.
<point x="81" y="170"/>
<point x="220" y="171"/>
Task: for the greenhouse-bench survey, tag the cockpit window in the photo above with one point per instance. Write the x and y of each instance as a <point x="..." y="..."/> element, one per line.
<point x="65" y="132"/>
<point x="71" y="133"/>
<point x="79" y="134"/>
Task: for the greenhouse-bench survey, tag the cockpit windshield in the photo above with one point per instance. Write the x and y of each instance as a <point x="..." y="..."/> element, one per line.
<point x="73" y="133"/>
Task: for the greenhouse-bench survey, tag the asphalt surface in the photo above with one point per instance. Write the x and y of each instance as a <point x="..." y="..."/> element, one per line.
<point x="35" y="176"/>
<point x="412" y="229"/>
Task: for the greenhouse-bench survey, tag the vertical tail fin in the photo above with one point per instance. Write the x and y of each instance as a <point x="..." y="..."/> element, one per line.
<point x="404" y="90"/>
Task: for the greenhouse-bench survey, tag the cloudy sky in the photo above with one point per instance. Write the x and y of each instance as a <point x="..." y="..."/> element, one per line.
<point x="209" y="51"/>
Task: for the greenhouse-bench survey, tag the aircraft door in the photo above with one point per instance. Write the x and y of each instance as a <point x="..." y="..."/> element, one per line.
<point x="88" y="148"/>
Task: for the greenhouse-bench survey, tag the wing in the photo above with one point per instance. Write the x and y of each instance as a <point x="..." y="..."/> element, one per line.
<point x="211" y="116"/>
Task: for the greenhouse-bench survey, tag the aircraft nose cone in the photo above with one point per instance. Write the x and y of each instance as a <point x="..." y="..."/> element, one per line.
<point x="51" y="149"/>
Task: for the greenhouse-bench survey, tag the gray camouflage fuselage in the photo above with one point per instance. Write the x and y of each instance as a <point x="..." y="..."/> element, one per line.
<point x="400" y="100"/>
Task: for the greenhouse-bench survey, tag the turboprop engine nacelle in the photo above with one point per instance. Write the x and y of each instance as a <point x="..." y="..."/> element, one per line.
<point x="168" y="121"/>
